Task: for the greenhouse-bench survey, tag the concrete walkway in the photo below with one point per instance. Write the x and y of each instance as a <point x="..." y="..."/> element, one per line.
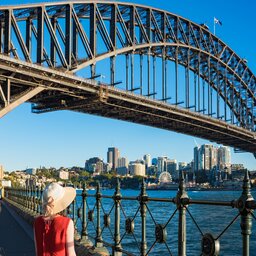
<point x="16" y="236"/>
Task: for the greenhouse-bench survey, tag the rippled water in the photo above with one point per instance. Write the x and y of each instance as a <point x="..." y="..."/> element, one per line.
<point x="210" y="219"/>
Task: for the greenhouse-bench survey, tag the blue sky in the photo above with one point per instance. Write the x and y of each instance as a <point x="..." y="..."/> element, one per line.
<point x="69" y="138"/>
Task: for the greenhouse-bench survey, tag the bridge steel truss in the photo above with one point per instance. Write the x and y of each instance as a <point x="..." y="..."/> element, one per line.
<point x="175" y="74"/>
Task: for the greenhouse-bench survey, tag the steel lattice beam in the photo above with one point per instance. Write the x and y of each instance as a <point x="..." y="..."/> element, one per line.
<point x="71" y="36"/>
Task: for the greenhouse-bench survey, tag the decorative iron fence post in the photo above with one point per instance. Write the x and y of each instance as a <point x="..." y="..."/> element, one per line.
<point x="31" y="199"/>
<point x="98" y="239"/>
<point x="34" y="200"/>
<point x="84" y="235"/>
<point x="18" y="196"/>
<point x="27" y="198"/>
<point x="143" y="198"/>
<point x="246" y="218"/>
<point x="117" y="198"/>
<point x="24" y="197"/>
<point x="181" y="201"/>
<point x="38" y="200"/>
<point x="41" y="197"/>
<point x="75" y="216"/>
<point x="31" y="208"/>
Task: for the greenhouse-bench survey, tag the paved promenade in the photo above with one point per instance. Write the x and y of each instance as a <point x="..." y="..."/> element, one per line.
<point x="16" y="236"/>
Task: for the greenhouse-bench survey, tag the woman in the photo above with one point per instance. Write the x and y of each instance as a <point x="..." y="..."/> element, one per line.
<point x="54" y="233"/>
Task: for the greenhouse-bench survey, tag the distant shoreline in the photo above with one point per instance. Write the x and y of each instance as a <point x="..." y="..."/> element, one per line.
<point x="202" y="189"/>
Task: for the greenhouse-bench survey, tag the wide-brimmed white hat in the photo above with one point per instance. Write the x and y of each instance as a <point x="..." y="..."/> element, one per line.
<point x="56" y="198"/>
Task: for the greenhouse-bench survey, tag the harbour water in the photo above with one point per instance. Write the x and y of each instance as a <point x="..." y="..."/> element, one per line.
<point x="210" y="219"/>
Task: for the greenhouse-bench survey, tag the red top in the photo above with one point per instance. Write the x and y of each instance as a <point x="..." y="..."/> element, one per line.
<point x="50" y="236"/>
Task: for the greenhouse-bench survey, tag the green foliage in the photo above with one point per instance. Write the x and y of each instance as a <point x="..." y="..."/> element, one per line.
<point x="107" y="180"/>
<point x="133" y="182"/>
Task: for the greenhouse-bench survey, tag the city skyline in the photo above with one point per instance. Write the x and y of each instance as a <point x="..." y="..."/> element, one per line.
<point x="68" y="138"/>
<point x="146" y="157"/>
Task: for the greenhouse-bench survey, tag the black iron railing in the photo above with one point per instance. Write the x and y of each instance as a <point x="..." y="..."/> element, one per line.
<point x="134" y="221"/>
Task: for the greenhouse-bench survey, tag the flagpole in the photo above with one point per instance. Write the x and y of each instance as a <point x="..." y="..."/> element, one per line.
<point x="214" y="25"/>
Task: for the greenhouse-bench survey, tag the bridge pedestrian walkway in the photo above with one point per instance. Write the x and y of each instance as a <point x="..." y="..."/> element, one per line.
<point x="16" y="236"/>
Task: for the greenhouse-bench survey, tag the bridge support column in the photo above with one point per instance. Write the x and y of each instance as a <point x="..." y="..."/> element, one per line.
<point x="24" y="97"/>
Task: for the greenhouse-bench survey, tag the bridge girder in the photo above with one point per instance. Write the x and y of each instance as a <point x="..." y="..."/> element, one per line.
<point x="68" y="37"/>
<point x="114" y="103"/>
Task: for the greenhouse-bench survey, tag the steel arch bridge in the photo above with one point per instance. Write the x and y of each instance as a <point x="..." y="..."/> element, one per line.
<point x="159" y="69"/>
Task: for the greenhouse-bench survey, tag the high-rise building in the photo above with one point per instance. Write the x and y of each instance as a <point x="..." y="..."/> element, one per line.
<point x="112" y="157"/>
<point x="205" y="157"/>
<point x="172" y="168"/>
<point x="154" y="161"/>
<point x="214" y="157"/>
<point x="122" y="166"/>
<point x="161" y="164"/>
<point x="224" y="158"/>
<point x="147" y="159"/>
<point x="182" y="165"/>
<point x="122" y="162"/>
<point x="196" y="159"/>
<point x="1" y="172"/>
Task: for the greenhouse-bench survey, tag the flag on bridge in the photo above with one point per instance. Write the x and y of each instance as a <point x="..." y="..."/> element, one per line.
<point x="216" y="21"/>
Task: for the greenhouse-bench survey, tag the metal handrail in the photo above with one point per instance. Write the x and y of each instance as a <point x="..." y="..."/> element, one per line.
<point x="29" y="199"/>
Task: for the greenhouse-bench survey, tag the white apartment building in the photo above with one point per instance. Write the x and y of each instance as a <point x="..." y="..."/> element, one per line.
<point x="137" y="169"/>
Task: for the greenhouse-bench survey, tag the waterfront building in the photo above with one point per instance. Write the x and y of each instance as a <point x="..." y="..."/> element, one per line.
<point x="1" y="172"/>
<point x="206" y="152"/>
<point x="6" y="183"/>
<point x="112" y="157"/>
<point x="182" y="165"/>
<point x="122" y="162"/>
<point x="152" y="170"/>
<point x="214" y="157"/>
<point x="63" y="174"/>
<point x="237" y="167"/>
<point x="154" y="161"/>
<point x="161" y="164"/>
<point x="172" y="168"/>
<point x="137" y="169"/>
<point x="196" y="159"/>
<point x="99" y="167"/>
<point x="107" y="167"/>
<point x="122" y="170"/>
<point x="94" y="164"/>
<point x="147" y="159"/>
<point x="237" y="174"/>
<point x="31" y="171"/>
<point x="224" y="158"/>
<point x="205" y="157"/>
<point x="122" y="166"/>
